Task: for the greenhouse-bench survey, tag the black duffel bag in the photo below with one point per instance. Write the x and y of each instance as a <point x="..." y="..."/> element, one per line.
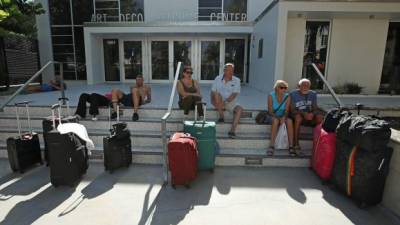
<point x="332" y="119"/>
<point x="368" y="132"/>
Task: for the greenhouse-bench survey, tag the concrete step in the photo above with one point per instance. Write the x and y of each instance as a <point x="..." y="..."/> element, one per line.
<point x="143" y="113"/>
<point x="228" y="157"/>
<point x="243" y="141"/>
<point x="150" y="124"/>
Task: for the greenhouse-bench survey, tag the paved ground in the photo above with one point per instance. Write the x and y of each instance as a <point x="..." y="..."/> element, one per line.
<point x="249" y="98"/>
<point x="135" y="196"/>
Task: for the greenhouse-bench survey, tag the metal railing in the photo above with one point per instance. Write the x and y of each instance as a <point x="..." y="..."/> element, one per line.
<point x="332" y="92"/>
<point x="164" y="124"/>
<point x="20" y="89"/>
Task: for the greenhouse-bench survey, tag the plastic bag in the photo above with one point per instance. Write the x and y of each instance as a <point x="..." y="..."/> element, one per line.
<point x="282" y="141"/>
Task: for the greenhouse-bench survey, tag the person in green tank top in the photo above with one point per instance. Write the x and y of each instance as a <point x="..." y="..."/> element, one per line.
<point x="189" y="92"/>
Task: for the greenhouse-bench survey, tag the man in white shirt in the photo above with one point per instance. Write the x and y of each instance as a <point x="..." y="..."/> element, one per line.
<point x="224" y="91"/>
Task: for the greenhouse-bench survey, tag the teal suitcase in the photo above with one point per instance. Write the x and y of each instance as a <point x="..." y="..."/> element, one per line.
<point x="205" y="133"/>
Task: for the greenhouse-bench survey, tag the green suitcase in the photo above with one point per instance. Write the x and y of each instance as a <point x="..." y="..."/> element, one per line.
<point x="205" y="133"/>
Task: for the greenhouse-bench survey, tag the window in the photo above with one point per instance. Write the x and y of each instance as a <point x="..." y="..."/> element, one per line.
<point x="67" y="35"/>
<point x="315" y="51"/>
<point x="60" y="13"/>
<point x="132" y="10"/>
<point x="108" y="10"/>
<point x="260" y="48"/>
<point x="222" y="10"/>
<point x="390" y="81"/>
<point x="82" y="11"/>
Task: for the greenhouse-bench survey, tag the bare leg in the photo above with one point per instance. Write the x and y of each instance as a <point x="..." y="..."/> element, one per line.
<point x="318" y="119"/>
<point x="136" y="99"/>
<point x="274" y="131"/>
<point x="297" y="124"/>
<point x="289" y="125"/>
<point x="238" y="112"/>
<point x="116" y="96"/>
<point x="218" y="103"/>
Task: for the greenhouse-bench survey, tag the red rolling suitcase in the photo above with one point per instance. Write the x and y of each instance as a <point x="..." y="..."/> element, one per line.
<point x="324" y="154"/>
<point x="182" y="159"/>
<point x="316" y="134"/>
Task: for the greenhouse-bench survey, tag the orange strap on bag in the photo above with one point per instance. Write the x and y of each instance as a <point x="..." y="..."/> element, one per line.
<point x="351" y="169"/>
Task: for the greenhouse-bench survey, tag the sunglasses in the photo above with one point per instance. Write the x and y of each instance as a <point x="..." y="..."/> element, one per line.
<point x="283" y="88"/>
<point x="189" y="72"/>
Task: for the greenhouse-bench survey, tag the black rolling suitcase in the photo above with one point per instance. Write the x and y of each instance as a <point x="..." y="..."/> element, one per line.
<point x="47" y="125"/>
<point x="361" y="173"/>
<point x="68" y="158"/>
<point x="23" y="150"/>
<point x="117" y="146"/>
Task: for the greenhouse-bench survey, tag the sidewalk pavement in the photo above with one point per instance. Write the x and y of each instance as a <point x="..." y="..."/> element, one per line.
<point x="135" y="196"/>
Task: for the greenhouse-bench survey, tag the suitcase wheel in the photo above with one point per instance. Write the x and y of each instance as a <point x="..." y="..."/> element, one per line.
<point x="362" y="205"/>
<point x="111" y="171"/>
<point x="211" y="170"/>
<point x="173" y="186"/>
<point x="187" y="186"/>
<point x="21" y="171"/>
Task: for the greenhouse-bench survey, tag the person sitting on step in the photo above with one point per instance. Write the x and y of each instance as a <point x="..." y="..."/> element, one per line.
<point x="304" y="110"/>
<point x="278" y="109"/>
<point x="140" y="94"/>
<point x="224" y="91"/>
<point x="189" y="93"/>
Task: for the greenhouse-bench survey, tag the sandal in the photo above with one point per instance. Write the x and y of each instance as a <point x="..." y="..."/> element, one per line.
<point x="292" y="152"/>
<point x="270" y="151"/>
<point x="298" y="151"/>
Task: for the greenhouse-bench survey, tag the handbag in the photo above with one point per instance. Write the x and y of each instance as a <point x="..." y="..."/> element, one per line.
<point x="263" y="117"/>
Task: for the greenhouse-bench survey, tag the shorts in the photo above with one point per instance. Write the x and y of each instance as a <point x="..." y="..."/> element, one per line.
<point x="46" y="88"/>
<point x="127" y="100"/>
<point x="230" y="106"/>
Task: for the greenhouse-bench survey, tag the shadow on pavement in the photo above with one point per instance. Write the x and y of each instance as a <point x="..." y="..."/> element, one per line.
<point x="27" y="212"/>
<point x="28" y="183"/>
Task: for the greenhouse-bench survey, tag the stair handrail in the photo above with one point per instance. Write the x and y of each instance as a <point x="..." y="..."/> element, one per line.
<point x="164" y="124"/>
<point x="332" y="92"/>
<point x="20" y="89"/>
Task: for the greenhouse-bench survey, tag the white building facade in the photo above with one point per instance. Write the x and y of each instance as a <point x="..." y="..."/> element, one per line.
<point x="115" y="40"/>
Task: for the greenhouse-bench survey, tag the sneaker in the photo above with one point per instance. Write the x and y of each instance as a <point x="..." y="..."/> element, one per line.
<point x="221" y="120"/>
<point x="135" y="117"/>
<point x="94" y="118"/>
<point x="232" y="134"/>
<point x="113" y="115"/>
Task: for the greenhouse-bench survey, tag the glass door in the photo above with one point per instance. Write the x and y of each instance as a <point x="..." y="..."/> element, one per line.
<point x="111" y="60"/>
<point x="160" y="60"/>
<point x="132" y="59"/>
<point x="235" y="53"/>
<point x="210" y="59"/>
<point x="183" y="53"/>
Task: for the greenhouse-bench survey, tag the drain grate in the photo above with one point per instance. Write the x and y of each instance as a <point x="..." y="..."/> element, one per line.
<point x="253" y="160"/>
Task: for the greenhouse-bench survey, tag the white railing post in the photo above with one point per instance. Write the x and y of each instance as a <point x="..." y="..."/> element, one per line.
<point x="332" y="92"/>
<point x="164" y="124"/>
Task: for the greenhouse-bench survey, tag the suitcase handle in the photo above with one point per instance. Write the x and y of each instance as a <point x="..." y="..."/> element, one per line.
<point x="60" y="101"/>
<point x="26" y="103"/>
<point x="109" y="114"/>
<point x="204" y="111"/>
<point x="53" y="116"/>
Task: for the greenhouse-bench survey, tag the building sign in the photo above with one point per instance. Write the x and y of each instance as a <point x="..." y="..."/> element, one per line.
<point x="129" y="17"/>
<point x="172" y="17"/>
<point x="237" y="17"/>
